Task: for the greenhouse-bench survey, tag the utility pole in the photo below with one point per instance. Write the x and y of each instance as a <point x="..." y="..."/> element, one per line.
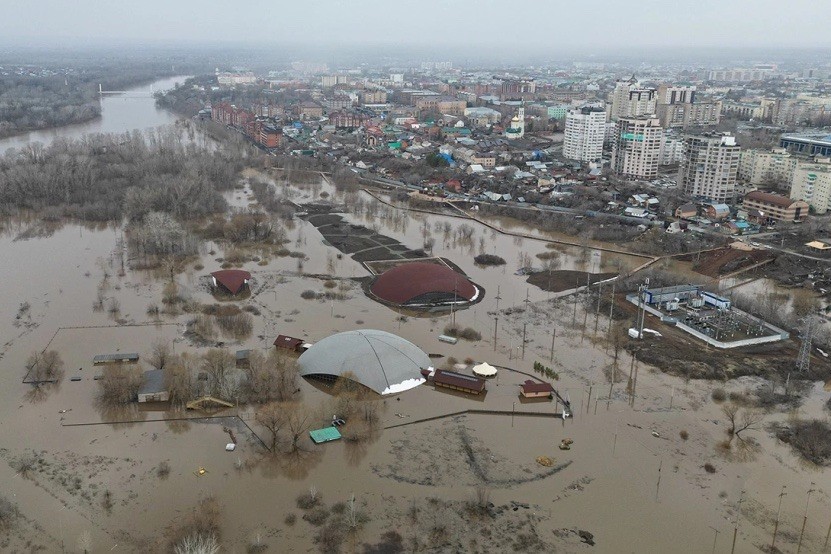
<point x="597" y="312"/>
<point x="524" y="326"/>
<point x="736" y="527"/>
<point x="612" y="306"/>
<point x="553" y="336"/>
<point x="497" y="298"/>
<point x="715" y="539"/>
<point x="495" y="324"/>
<point x="804" y="519"/>
<point x="776" y="525"/>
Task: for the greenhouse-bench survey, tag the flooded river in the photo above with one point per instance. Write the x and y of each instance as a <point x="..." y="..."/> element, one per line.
<point x="119" y="113"/>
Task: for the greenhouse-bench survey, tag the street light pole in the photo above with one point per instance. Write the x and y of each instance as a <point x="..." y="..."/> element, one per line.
<point x="776" y="525"/>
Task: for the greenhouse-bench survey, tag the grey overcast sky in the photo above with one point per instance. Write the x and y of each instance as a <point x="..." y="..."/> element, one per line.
<point x="514" y="23"/>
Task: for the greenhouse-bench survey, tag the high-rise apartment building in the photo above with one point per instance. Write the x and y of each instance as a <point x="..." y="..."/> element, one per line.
<point x="678" y="106"/>
<point x="584" y="133"/>
<point x="637" y="147"/>
<point x="710" y="166"/>
<point x="767" y="167"/>
<point x="629" y="99"/>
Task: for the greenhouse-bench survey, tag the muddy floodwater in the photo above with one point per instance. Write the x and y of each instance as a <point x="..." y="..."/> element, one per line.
<point x="629" y="479"/>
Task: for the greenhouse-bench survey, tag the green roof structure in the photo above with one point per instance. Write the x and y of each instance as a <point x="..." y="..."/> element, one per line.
<point x="327" y="434"/>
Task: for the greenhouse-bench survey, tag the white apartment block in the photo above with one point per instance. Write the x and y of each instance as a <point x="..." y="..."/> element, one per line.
<point x="584" y="134"/>
<point x="710" y="166"/>
<point x="637" y="147"/>
<point x="629" y="99"/>
<point x="766" y="167"/>
<point x="811" y="182"/>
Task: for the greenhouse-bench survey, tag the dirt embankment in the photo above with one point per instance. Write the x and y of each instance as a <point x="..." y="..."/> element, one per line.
<point x="560" y="280"/>
<point x="723" y="261"/>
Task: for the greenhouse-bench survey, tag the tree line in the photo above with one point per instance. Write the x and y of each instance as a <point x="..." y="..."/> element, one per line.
<point x="107" y="177"/>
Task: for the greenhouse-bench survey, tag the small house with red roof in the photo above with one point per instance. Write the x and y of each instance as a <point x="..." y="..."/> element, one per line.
<point x="230" y="281"/>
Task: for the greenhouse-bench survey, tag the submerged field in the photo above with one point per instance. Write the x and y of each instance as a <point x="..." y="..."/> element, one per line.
<point x="647" y="472"/>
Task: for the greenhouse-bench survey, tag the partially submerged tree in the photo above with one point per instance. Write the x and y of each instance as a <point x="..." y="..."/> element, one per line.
<point x="119" y="383"/>
<point x="44" y="367"/>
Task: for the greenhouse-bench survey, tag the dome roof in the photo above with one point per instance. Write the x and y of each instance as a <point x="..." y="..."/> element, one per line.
<point x="381" y="361"/>
<point x="423" y="283"/>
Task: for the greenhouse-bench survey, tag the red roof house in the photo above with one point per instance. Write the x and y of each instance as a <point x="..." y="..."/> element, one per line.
<point x="231" y="280"/>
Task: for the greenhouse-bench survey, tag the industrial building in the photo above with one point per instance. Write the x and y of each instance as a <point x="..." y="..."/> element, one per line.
<point x="705" y="315"/>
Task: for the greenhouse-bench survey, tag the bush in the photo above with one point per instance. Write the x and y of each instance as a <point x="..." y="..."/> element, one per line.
<point x="308" y="295"/>
<point x="238" y="326"/>
<point x="471" y="334"/>
<point x="489" y="259"/>
<point x="684" y="434"/>
<point x="719" y="395"/>
<point x="709" y="468"/>
<point x="290" y="519"/>
<point x="317" y="516"/>
<point x="163" y="470"/>
<point x="811" y="439"/>
<point x="8" y="514"/>
<point x="329" y="284"/>
<point x="307" y="501"/>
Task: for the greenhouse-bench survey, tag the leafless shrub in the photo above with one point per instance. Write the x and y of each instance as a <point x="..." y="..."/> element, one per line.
<point x="202" y="521"/>
<point x="8" y="514"/>
<point x="709" y="468"/>
<point x="308" y="295"/>
<point x="719" y="395"/>
<point x="153" y="311"/>
<point x="684" y="434"/>
<point x="811" y="439"/>
<point x="160" y="354"/>
<point x="309" y="500"/>
<point x="113" y="307"/>
<point x="107" y="500"/>
<point x="329" y="284"/>
<point x="291" y="518"/>
<point x="163" y="470"/>
<point x="237" y="326"/>
<point x="317" y="516"/>
<point x="202" y="328"/>
<point x="198" y="543"/>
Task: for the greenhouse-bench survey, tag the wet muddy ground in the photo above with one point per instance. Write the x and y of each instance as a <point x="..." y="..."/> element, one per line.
<point x="631" y="490"/>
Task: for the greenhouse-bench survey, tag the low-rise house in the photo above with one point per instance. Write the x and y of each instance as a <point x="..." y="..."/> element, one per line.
<point x="686" y="211"/>
<point x="530" y="389"/>
<point x="153" y="387"/>
<point x="716" y="212"/>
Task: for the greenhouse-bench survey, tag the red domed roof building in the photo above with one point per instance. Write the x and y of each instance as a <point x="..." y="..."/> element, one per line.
<point x="424" y="284"/>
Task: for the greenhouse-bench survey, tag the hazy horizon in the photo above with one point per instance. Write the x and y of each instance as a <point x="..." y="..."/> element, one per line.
<point x="591" y="27"/>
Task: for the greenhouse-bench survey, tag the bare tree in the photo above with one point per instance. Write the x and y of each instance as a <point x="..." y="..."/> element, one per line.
<point x="740" y="419"/>
<point x="220" y="366"/>
<point x="273" y="417"/>
<point x="161" y="354"/>
<point x="44" y="366"/>
<point x="179" y="378"/>
<point x="120" y="383"/>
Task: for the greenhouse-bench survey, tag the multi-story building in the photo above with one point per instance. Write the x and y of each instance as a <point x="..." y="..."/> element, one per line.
<point x="629" y="99"/>
<point x="482" y="117"/>
<point x="517" y="89"/>
<point x="558" y="112"/>
<point x="672" y="150"/>
<point x="811" y="183"/>
<point x="775" y="207"/>
<point x="760" y="72"/>
<point x="760" y="110"/>
<point x="452" y="106"/>
<point x="766" y="167"/>
<point x="678" y="107"/>
<point x="346" y="119"/>
<point x="584" y="133"/>
<point x="637" y="147"/>
<point x="710" y="166"/>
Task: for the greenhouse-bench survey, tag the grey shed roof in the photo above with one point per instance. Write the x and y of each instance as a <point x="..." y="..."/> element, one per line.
<point x="377" y="359"/>
<point x="153" y="382"/>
